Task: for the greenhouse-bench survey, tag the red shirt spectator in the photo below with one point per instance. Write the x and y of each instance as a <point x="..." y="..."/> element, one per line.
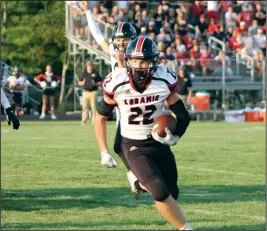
<point x="194" y="52"/>
<point x="225" y="4"/>
<point x="242" y="29"/>
<point x="196" y="9"/>
<point x="234" y="43"/>
<point x="182" y="55"/>
<point x="212" y="26"/>
<point x="246" y="15"/>
<point x="205" y="60"/>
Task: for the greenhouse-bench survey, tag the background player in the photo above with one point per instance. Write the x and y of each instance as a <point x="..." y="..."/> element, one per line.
<point x="140" y="95"/>
<point x="17" y="84"/>
<point x="122" y="34"/>
<point x="11" y="116"/>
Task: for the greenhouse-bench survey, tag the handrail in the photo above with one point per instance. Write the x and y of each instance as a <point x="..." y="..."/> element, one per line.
<point x="212" y="38"/>
<point x="239" y="60"/>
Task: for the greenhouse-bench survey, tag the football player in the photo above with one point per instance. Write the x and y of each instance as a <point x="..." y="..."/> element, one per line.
<point x="16" y="84"/>
<point x="11" y="116"/>
<point x="140" y="94"/>
<point x="122" y="34"/>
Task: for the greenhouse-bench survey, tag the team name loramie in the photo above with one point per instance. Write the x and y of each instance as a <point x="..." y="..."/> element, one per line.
<point x="145" y="99"/>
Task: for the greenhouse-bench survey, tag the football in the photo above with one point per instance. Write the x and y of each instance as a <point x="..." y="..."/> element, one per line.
<point x="162" y="122"/>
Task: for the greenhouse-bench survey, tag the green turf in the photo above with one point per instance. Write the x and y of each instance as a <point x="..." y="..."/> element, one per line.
<point x="52" y="179"/>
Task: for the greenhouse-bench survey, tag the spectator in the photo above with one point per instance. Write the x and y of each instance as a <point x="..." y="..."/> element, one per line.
<point x="206" y="63"/>
<point x="219" y="61"/>
<point x="213" y="26"/>
<point x="195" y="10"/>
<point x="151" y="27"/>
<point x="182" y="27"/>
<point x="143" y="31"/>
<point x="259" y="38"/>
<point x="171" y="17"/>
<point x="17" y="84"/>
<point x="219" y="33"/>
<point x="122" y="17"/>
<point x="236" y="41"/>
<point x="161" y="46"/>
<point x="164" y="61"/>
<point x="152" y="35"/>
<point x="260" y="15"/>
<point x="145" y="19"/>
<point x="159" y="17"/>
<point x="162" y="36"/>
<point x="230" y="17"/>
<point x="179" y="45"/>
<point x="169" y="54"/>
<point x="225" y="4"/>
<point x="184" y="85"/>
<point x="90" y="81"/>
<point x="202" y="27"/>
<point x="213" y="10"/>
<point x="48" y="82"/>
<point x="253" y="29"/>
<point x="245" y="15"/>
<point x="195" y="56"/>
<point x="242" y="29"/>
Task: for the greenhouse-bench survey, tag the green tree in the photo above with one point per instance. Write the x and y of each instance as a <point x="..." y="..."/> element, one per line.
<point x="33" y="35"/>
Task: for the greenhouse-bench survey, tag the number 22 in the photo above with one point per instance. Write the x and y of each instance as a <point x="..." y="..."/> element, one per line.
<point x="138" y="111"/>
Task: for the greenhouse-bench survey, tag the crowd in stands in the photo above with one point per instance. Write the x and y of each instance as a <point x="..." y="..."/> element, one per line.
<point x="181" y="30"/>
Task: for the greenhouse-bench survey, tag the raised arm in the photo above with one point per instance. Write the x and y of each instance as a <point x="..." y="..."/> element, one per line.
<point x="94" y="29"/>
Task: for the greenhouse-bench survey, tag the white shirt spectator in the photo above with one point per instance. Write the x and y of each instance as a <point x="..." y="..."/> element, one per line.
<point x="230" y="19"/>
<point x="212" y="5"/>
<point x="260" y="38"/>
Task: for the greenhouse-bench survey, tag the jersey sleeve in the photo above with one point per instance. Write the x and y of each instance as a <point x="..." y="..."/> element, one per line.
<point x="172" y="81"/>
<point x="108" y="86"/>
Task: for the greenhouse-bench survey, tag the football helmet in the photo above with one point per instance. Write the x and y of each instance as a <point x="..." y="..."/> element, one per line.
<point x="142" y="48"/>
<point x="123" y="30"/>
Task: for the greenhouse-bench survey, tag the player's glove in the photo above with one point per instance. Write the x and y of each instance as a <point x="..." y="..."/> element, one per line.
<point x="108" y="160"/>
<point x="43" y="84"/>
<point x="169" y="139"/>
<point x="54" y="84"/>
<point x="12" y="118"/>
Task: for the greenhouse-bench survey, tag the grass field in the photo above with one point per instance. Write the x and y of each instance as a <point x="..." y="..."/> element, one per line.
<point x="52" y="179"/>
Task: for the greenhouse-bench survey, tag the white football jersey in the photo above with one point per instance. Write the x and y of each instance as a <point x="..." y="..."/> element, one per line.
<point x="16" y="81"/>
<point x="138" y="110"/>
<point x="112" y="53"/>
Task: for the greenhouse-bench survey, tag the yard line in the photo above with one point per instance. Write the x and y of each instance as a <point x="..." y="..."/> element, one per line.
<point x="183" y="167"/>
<point x="208" y="212"/>
<point x="221" y="171"/>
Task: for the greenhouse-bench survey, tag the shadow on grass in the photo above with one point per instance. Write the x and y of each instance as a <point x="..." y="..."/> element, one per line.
<point x="111" y="225"/>
<point x="33" y="200"/>
<point x="77" y="226"/>
<point x="222" y="193"/>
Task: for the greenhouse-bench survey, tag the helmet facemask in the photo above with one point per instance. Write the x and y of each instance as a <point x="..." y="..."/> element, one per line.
<point x="140" y="76"/>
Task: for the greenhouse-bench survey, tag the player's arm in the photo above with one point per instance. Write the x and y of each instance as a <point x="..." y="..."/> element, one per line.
<point x="11" y="116"/>
<point x="94" y="29"/>
<point x="104" y="110"/>
<point x="176" y="105"/>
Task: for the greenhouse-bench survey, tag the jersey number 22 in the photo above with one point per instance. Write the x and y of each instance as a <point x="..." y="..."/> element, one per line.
<point x="149" y="110"/>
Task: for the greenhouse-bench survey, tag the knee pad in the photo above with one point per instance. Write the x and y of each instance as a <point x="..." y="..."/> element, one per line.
<point x="158" y="189"/>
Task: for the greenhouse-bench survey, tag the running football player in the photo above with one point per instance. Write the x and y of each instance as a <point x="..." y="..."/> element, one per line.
<point x="140" y="94"/>
<point x="122" y="34"/>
